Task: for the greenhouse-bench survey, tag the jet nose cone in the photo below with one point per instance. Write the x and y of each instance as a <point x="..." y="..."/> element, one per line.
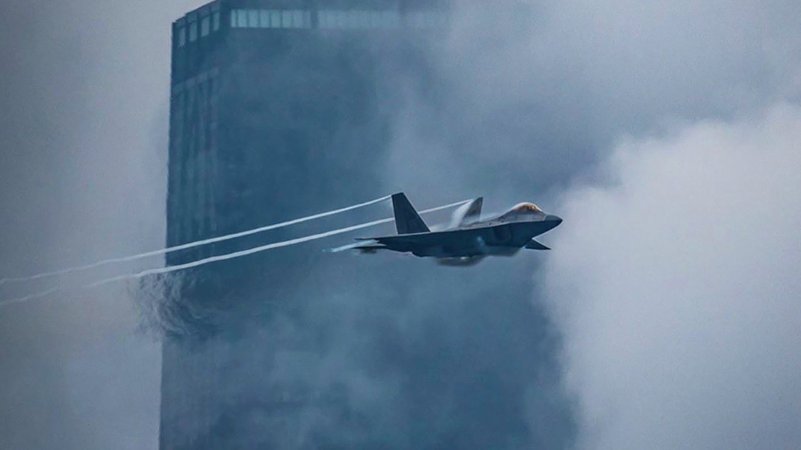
<point x="554" y="220"/>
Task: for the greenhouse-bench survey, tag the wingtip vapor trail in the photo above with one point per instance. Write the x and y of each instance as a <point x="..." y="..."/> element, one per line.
<point x="188" y="245"/>
<point x="218" y="258"/>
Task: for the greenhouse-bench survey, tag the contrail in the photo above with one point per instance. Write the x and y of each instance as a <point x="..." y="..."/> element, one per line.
<point x="188" y="245"/>
<point x="213" y="259"/>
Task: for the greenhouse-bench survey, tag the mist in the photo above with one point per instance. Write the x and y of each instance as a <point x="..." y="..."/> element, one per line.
<point x="666" y="136"/>
<point x="623" y="118"/>
<point x="535" y="94"/>
<point x="85" y="101"/>
<point x="676" y="289"/>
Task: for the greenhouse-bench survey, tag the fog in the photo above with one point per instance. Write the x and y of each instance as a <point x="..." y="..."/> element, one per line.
<point x="84" y="98"/>
<point x="665" y="134"/>
<point x="535" y="92"/>
<point x="676" y="289"/>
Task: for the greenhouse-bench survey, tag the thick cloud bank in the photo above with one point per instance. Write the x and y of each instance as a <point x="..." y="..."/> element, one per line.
<point x="677" y="289"/>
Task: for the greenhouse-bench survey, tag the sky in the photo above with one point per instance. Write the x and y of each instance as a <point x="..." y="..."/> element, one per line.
<point x="664" y="134"/>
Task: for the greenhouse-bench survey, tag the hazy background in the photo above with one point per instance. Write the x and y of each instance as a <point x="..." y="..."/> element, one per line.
<point x="676" y="289"/>
<point x="84" y="98"/>
<point x="665" y="135"/>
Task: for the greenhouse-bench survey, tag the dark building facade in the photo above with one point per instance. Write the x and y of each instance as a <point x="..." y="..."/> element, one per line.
<point x="268" y="90"/>
<point x="278" y="109"/>
<point x="283" y="108"/>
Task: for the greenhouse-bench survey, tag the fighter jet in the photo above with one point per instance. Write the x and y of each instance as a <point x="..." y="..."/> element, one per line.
<point x="468" y="239"/>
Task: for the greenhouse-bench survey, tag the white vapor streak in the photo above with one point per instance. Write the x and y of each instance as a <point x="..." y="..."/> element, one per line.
<point x="225" y="257"/>
<point x="189" y="244"/>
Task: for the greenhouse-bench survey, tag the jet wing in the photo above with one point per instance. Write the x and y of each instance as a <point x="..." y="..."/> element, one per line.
<point x="432" y="237"/>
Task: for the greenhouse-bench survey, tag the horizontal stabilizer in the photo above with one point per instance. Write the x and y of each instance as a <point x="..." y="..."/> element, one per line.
<point x="534" y="245"/>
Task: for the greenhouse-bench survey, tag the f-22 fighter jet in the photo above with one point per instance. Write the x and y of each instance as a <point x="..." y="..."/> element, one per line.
<point x="469" y="239"/>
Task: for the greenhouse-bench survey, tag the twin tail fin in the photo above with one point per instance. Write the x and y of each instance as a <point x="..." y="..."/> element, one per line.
<point x="406" y="218"/>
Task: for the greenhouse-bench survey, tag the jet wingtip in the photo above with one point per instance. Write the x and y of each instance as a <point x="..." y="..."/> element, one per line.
<point x="534" y="245"/>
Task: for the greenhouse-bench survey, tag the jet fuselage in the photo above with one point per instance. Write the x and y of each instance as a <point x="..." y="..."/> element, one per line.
<point x="480" y="239"/>
<point x="469" y="240"/>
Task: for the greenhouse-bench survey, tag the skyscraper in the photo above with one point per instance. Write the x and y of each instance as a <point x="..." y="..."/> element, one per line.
<point x="278" y="109"/>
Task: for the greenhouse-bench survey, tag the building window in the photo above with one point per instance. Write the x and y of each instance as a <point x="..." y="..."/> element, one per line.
<point x="426" y="19"/>
<point x="390" y="19"/>
<point x="325" y="19"/>
<point x="362" y="19"/>
<point x="270" y="18"/>
<point x="338" y="19"/>
<point x="253" y="18"/>
<point x="181" y="36"/>
<point x="344" y="19"/>
<point x="302" y="18"/>
<point x="286" y="19"/>
<point x="330" y="19"/>
<point x="215" y="21"/>
<point x="192" y="31"/>
<point x="275" y="19"/>
<point x="358" y="19"/>
<point x="205" y="26"/>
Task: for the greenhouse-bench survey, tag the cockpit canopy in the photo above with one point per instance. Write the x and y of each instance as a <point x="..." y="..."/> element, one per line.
<point x="523" y="211"/>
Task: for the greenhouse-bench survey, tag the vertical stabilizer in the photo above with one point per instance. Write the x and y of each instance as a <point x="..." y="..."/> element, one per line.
<point x="467" y="213"/>
<point x="406" y="218"/>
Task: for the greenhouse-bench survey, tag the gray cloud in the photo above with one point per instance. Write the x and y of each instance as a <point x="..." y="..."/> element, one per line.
<point x="82" y="145"/>
<point x="676" y="289"/>
<point x="524" y="99"/>
<point x="531" y="94"/>
<point x="535" y="101"/>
